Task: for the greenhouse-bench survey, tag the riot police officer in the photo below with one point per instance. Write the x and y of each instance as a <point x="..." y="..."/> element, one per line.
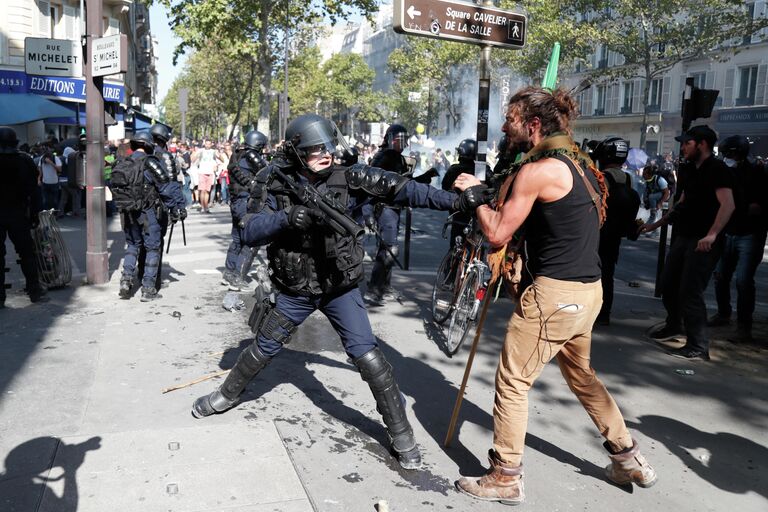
<point x="386" y="218"/>
<point x="20" y="203"/>
<point x="622" y="206"/>
<point x="161" y="134"/>
<point x="141" y="211"/>
<point x="467" y="153"/>
<point x="242" y="171"/>
<point x="314" y="266"/>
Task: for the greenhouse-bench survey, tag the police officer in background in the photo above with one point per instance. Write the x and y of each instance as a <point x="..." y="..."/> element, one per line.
<point x="20" y="204"/>
<point x="390" y="158"/>
<point x="142" y="226"/>
<point x="161" y="134"/>
<point x="744" y="244"/>
<point x="623" y="204"/>
<point x="242" y="171"/>
<point x="315" y="267"/>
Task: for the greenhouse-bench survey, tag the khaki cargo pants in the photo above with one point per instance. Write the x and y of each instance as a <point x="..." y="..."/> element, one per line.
<point x="553" y="319"/>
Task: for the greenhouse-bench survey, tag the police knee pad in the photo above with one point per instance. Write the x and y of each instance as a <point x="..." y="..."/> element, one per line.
<point x="250" y="362"/>
<point x="276" y="326"/>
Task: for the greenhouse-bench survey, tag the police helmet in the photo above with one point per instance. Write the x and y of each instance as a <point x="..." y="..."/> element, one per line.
<point x="255" y="140"/>
<point x="467" y="149"/>
<point x="8" y="140"/>
<point x="735" y="146"/>
<point x="161" y="133"/>
<point x="611" y="150"/>
<point x="396" y="134"/>
<point x="143" y="140"/>
<point x="310" y="133"/>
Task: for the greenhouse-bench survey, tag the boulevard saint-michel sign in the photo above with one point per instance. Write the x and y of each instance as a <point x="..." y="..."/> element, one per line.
<point x="460" y="21"/>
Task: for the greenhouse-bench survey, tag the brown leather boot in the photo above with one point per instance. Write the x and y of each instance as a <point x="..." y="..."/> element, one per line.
<point x="629" y="467"/>
<point x="501" y="483"/>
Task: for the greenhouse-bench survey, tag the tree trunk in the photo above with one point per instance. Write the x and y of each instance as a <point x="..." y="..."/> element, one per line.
<point x="265" y="69"/>
<point x="646" y="91"/>
<point x="241" y="100"/>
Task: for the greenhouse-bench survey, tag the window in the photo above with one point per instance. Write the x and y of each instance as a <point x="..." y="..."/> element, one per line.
<point x="602" y="62"/>
<point x="53" y="19"/>
<point x="699" y="79"/>
<point x="654" y="95"/>
<point x="600" y="101"/>
<point x="627" y="92"/>
<point x="751" y="10"/>
<point x="747" y="86"/>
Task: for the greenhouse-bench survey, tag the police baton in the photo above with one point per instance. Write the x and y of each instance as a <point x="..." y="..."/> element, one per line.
<point x="183" y="233"/>
<point x="170" y="236"/>
<point x="386" y="246"/>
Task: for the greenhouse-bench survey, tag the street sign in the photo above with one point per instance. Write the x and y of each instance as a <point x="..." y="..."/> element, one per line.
<point x="53" y="57"/>
<point x="183" y="99"/>
<point x="109" y="55"/>
<point x="460" y="21"/>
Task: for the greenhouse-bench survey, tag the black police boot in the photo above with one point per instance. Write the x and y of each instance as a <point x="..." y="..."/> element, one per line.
<point x="149" y="294"/>
<point x="125" y="288"/>
<point x="250" y="362"/>
<point x="38" y="295"/>
<point x="377" y="372"/>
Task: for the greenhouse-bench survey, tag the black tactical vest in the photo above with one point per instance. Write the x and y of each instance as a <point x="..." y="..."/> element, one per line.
<point x="240" y="176"/>
<point x="168" y="161"/>
<point x="317" y="261"/>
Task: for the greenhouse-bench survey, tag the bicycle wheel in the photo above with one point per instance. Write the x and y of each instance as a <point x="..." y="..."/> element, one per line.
<point x="443" y="291"/>
<point x="462" y="317"/>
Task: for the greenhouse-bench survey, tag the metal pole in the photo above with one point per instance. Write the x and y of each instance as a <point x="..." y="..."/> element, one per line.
<point x="184" y="125"/>
<point x="96" y="256"/>
<point x="662" y="254"/>
<point x="483" y="106"/>
<point x="407" y="256"/>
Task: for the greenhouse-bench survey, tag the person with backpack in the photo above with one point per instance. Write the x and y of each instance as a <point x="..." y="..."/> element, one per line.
<point x="623" y="204"/>
<point x="242" y="169"/>
<point x="656" y="192"/>
<point x="140" y="186"/>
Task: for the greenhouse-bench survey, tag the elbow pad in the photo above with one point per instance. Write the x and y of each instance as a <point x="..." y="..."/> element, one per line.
<point x="157" y="170"/>
<point x="374" y="180"/>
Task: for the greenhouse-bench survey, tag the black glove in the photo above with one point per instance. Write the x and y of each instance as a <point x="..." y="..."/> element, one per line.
<point x="301" y="217"/>
<point x="175" y="215"/>
<point x="472" y="197"/>
<point x="280" y="160"/>
<point x="182" y="213"/>
<point x="427" y="176"/>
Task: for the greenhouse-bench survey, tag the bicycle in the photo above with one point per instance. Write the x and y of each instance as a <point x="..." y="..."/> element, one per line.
<point x="460" y="285"/>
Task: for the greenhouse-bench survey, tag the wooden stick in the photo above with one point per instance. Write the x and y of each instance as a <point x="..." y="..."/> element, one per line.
<point x="470" y="359"/>
<point x="197" y="381"/>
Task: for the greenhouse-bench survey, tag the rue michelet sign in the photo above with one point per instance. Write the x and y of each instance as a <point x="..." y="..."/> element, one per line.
<point x="460" y="21"/>
<point x="53" y="57"/>
<point x="109" y="55"/>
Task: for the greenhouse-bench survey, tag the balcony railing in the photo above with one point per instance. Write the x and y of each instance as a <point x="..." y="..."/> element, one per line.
<point x="626" y="109"/>
<point x="599" y="112"/>
<point x="745" y="102"/>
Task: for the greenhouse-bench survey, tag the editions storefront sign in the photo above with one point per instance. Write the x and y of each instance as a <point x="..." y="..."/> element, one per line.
<point x="54" y="87"/>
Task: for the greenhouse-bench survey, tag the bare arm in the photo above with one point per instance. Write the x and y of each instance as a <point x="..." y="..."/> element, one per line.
<point x="499" y="227"/>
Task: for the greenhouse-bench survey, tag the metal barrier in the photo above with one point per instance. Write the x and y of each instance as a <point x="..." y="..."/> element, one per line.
<point x="54" y="263"/>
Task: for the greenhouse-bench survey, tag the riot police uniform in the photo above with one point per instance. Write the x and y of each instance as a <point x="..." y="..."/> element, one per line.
<point x="143" y="228"/>
<point x="161" y="134"/>
<point x="20" y="203"/>
<point x="242" y="171"/>
<point x="387" y="218"/>
<point x="467" y="153"/>
<point x="314" y="267"/>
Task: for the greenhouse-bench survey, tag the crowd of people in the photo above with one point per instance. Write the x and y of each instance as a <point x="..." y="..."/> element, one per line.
<point x="562" y="207"/>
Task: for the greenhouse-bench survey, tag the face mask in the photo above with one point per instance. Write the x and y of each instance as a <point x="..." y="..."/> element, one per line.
<point x="730" y="162"/>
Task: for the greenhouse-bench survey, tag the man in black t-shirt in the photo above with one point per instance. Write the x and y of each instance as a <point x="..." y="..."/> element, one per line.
<point x="700" y="217"/>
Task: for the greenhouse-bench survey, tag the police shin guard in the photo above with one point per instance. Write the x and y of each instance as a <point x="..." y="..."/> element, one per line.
<point x="250" y="362"/>
<point x="377" y="372"/>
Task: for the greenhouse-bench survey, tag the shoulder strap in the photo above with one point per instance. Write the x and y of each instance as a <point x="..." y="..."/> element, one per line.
<point x="596" y="198"/>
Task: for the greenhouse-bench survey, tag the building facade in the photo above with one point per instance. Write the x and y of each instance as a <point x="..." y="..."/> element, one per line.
<point x="742" y="105"/>
<point x="124" y="94"/>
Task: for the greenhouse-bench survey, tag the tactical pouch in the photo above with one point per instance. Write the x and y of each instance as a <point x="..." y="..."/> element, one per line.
<point x="261" y="308"/>
<point x="277" y="327"/>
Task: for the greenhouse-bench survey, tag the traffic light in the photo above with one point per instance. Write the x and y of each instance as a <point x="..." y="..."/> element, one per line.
<point x="700" y="105"/>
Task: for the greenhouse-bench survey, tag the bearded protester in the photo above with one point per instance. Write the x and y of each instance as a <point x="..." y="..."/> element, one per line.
<point x="558" y="198"/>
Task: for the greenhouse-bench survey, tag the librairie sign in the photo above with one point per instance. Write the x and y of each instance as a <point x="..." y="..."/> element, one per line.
<point x="460" y="21"/>
<point x="53" y="57"/>
<point x="109" y="55"/>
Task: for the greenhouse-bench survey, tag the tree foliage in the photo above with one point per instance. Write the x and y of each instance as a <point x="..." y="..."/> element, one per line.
<point x="653" y="36"/>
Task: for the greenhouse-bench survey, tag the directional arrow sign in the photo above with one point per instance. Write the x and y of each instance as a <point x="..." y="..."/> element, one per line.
<point x="53" y="57"/>
<point x="460" y="21"/>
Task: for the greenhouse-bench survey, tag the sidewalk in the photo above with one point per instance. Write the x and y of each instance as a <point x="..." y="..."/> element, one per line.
<point x="307" y="435"/>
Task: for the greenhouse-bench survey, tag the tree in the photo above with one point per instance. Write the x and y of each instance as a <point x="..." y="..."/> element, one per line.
<point x="653" y="36"/>
<point x="348" y="87"/>
<point x="252" y="31"/>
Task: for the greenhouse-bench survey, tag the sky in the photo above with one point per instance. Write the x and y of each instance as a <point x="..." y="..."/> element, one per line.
<point x="166" y="71"/>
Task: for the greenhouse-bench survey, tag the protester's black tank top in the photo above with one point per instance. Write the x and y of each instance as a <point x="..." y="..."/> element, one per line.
<point x="563" y="236"/>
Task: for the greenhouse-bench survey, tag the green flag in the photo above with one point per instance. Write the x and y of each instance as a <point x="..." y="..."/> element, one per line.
<point x="550" y="77"/>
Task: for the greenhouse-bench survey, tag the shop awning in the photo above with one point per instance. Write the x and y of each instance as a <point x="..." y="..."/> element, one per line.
<point x="25" y="108"/>
<point x="141" y="121"/>
<point x="70" y="118"/>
